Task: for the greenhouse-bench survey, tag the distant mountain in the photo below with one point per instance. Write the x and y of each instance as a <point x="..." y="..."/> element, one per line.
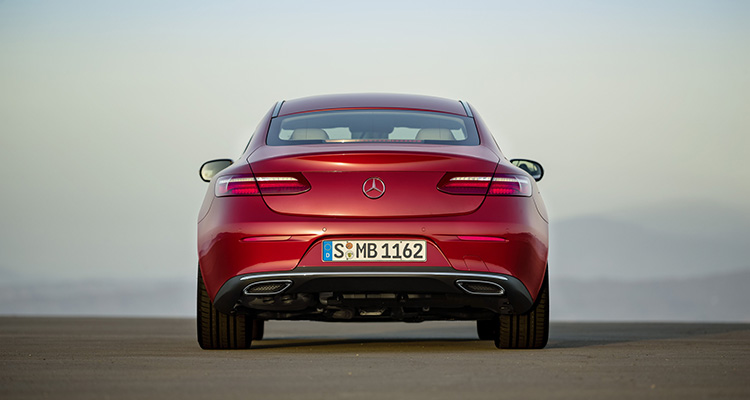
<point x="596" y="247"/>
<point x="691" y="216"/>
<point x="717" y="298"/>
<point x="682" y="261"/>
<point x="173" y="298"/>
<point x="7" y="274"/>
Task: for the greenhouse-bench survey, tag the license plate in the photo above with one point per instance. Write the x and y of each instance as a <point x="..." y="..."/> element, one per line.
<point x="375" y="250"/>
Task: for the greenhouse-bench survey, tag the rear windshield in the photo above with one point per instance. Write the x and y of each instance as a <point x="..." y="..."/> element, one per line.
<point x="372" y="126"/>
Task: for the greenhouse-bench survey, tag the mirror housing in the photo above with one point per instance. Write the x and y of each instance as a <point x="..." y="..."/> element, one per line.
<point x="209" y="169"/>
<point x="533" y="168"/>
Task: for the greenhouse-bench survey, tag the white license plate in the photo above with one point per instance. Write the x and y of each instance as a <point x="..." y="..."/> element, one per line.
<point x="375" y="250"/>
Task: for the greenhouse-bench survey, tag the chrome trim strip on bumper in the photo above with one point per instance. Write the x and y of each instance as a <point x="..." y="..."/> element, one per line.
<point x="457" y="274"/>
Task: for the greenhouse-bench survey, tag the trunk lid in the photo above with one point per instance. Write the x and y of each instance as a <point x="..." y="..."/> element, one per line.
<point x="337" y="178"/>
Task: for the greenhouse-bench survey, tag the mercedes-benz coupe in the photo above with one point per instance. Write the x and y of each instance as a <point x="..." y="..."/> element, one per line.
<point x="372" y="207"/>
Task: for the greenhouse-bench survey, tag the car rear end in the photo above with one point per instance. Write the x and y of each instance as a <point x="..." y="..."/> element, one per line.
<point x="373" y="214"/>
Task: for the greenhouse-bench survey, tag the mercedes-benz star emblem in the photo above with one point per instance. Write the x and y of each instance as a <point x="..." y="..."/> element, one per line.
<point x="373" y="188"/>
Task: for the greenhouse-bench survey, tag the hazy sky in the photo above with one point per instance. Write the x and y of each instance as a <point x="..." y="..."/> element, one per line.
<point x="107" y="109"/>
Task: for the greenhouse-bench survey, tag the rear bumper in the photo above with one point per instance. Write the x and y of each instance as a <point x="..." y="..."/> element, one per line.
<point x="307" y="292"/>
<point x="241" y="237"/>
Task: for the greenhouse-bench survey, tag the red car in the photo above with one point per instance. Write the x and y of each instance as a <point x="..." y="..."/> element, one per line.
<point x="372" y="207"/>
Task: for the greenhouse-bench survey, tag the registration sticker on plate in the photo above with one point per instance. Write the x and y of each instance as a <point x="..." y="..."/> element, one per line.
<point x="375" y="250"/>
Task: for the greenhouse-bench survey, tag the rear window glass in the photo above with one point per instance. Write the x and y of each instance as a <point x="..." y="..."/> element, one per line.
<point x="372" y="126"/>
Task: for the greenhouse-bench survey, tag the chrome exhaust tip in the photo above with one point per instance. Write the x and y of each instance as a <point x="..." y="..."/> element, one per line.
<point x="266" y="288"/>
<point x="485" y="288"/>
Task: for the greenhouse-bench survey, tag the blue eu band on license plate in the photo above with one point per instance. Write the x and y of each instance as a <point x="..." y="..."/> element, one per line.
<point x="375" y="250"/>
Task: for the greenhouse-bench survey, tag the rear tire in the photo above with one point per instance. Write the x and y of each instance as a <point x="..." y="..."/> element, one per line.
<point x="529" y="330"/>
<point x="217" y="330"/>
<point x="487" y="329"/>
<point x="258" y="329"/>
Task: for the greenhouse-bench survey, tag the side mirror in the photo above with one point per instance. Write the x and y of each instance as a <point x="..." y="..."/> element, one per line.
<point x="209" y="169"/>
<point x="532" y="167"/>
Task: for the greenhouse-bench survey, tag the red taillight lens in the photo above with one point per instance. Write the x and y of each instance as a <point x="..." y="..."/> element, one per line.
<point x="249" y="185"/>
<point x="464" y="184"/>
<point x="234" y="185"/>
<point x="497" y="185"/>
<point x="510" y="185"/>
<point x="270" y="185"/>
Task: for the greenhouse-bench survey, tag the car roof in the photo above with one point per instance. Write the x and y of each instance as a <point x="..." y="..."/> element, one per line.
<point x="371" y="100"/>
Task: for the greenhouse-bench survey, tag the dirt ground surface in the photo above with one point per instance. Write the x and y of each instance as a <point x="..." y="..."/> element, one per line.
<point x="87" y="358"/>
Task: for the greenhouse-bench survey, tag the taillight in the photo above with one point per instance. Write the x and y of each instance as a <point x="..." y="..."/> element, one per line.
<point x="464" y="184"/>
<point x="491" y="185"/>
<point x="510" y="185"/>
<point x="236" y="186"/>
<point x="249" y="185"/>
<point x="292" y="184"/>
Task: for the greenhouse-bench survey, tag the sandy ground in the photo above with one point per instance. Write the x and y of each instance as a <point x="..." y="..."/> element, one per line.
<point x="66" y="358"/>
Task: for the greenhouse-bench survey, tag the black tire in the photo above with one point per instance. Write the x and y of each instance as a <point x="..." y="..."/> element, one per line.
<point x="487" y="329"/>
<point x="529" y="330"/>
<point x="259" y="327"/>
<point x="217" y="330"/>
